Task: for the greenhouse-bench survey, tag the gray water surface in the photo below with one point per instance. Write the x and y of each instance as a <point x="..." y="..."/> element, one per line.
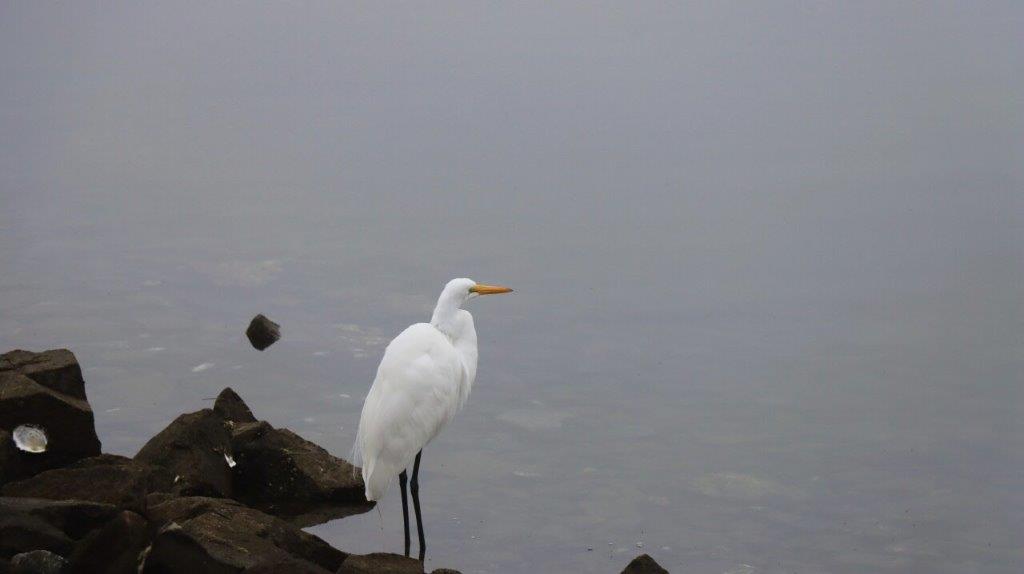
<point x="767" y="260"/>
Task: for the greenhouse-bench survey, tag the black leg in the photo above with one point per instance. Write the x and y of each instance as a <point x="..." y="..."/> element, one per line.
<point x="414" y="487"/>
<point x="402" y="479"/>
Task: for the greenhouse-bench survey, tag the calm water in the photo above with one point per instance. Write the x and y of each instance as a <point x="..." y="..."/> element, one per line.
<point x="768" y="265"/>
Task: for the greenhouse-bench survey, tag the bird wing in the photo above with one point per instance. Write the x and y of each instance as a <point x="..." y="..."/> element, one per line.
<point x="416" y="392"/>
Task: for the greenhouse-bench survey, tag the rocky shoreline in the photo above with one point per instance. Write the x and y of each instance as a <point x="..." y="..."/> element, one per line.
<point x="216" y="491"/>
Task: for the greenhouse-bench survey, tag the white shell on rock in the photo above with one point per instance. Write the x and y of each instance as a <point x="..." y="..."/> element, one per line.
<point x="231" y="462"/>
<point x="30" y="438"/>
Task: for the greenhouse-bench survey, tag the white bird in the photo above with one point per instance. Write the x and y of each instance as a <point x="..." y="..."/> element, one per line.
<point x="422" y="381"/>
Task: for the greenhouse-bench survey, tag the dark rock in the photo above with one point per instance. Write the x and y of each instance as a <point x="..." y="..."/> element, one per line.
<point x="232" y="408"/>
<point x="289" y="565"/>
<point x="281" y="472"/>
<point x="445" y="571"/>
<point x="380" y="563"/>
<point x="38" y="562"/>
<point x="154" y="498"/>
<point x="109" y="479"/>
<point x="56" y="370"/>
<point x="67" y="419"/>
<point x="114" y="548"/>
<point x="644" y="564"/>
<point x="10" y="458"/>
<point x="24" y="532"/>
<point x="31" y="524"/>
<point x="201" y="534"/>
<point x="262" y="332"/>
<point x="192" y="448"/>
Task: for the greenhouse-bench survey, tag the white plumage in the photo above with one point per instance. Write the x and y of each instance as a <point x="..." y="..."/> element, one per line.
<point x="422" y="381"/>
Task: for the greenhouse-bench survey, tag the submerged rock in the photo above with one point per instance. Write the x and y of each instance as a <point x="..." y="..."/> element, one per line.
<point x="262" y="332"/>
<point x="644" y="564"/>
<point x="201" y="534"/>
<point x="289" y="565"/>
<point x="192" y="449"/>
<point x="380" y="563"/>
<point x="106" y="478"/>
<point x="45" y="393"/>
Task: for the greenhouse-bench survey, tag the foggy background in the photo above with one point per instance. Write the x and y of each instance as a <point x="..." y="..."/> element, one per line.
<point x="767" y="259"/>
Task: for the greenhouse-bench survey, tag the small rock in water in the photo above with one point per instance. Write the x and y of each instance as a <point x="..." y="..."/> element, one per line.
<point x="644" y="564"/>
<point x="262" y="332"/>
<point x="30" y="438"/>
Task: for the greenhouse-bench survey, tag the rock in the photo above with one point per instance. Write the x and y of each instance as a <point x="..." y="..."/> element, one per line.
<point x="445" y="571"/>
<point x="644" y="564"/>
<point x="154" y="498"/>
<point x="32" y="524"/>
<point x="21" y="533"/>
<point x="201" y="534"/>
<point x="282" y="473"/>
<point x="380" y="563"/>
<point x="262" y="332"/>
<point x="114" y="548"/>
<point x="38" y="562"/>
<point x="10" y="458"/>
<point x="46" y="390"/>
<point x="56" y="370"/>
<point x="192" y="448"/>
<point x="109" y="479"/>
<point x="289" y="565"/>
<point x="232" y="408"/>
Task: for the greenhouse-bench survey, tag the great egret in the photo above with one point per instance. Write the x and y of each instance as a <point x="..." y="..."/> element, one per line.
<point x="423" y="379"/>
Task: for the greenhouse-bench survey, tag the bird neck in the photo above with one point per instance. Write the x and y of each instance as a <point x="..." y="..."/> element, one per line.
<point x="446" y="314"/>
<point x="457" y="325"/>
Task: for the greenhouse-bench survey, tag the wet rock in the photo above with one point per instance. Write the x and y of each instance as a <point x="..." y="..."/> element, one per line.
<point x="289" y="565"/>
<point x="380" y="563"/>
<point x="38" y="562"/>
<point x="114" y="548"/>
<point x="278" y="471"/>
<point x="56" y="370"/>
<point x="445" y="571"/>
<point x="232" y="408"/>
<point x="201" y="534"/>
<point x="33" y="524"/>
<point x="55" y="403"/>
<point x="644" y="564"/>
<point x="192" y="448"/>
<point x="108" y="479"/>
<point x="262" y="332"/>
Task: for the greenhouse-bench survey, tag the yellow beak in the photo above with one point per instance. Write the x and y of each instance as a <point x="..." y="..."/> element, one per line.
<point x="482" y="289"/>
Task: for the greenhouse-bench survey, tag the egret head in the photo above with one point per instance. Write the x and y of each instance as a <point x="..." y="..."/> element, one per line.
<point x="461" y="290"/>
<point x="454" y="295"/>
